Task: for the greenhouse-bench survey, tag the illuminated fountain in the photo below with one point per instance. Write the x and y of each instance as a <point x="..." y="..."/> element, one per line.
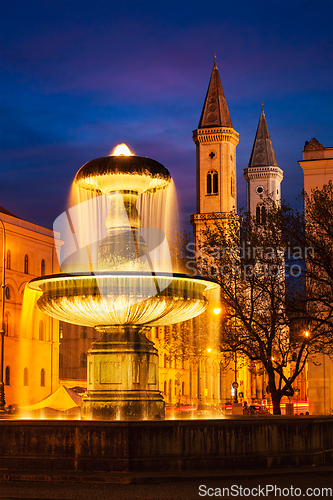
<point x="124" y="297"/>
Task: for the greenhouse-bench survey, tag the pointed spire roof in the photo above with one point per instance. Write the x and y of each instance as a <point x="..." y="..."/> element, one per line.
<point x="262" y="152"/>
<point x="215" y="112"/>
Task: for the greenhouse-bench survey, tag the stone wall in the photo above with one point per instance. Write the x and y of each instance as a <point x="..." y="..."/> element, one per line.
<point x="99" y="446"/>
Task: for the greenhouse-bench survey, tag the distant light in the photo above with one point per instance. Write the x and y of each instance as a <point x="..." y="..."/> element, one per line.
<point x="217" y="310"/>
<point x="307" y="334"/>
<point x="209" y="349"/>
<point x="121" y="150"/>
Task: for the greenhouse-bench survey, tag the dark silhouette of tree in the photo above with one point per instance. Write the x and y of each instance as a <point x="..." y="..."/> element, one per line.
<point x="262" y="288"/>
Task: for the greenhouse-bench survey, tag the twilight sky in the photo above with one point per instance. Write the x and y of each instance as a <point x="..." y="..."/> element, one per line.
<point x="79" y="77"/>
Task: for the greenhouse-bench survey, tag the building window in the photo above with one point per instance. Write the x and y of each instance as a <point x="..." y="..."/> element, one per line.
<point x="26" y="264"/>
<point x="165" y="387"/>
<point x="42" y="268"/>
<point x="25" y="376"/>
<point x="41" y="330"/>
<point x="232" y="187"/>
<point x="212" y="182"/>
<point x="165" y="361"/>
<point x="183" y="388"/>
<point x="261" y="214"/>
<point x="7" y="324"/>
<point x="83" y="332"/>
<point x="170" y="390"/>
<point x="7" y="375"/>
<point x="61" y="360"/>
<point x="8" y="259"/>
<point x="7" y="292"/>
<point x="42" y="377"/>
<point x="83" y="360"/>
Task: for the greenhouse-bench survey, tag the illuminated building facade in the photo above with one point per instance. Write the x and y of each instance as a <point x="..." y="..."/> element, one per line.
<point x="31" y="353"/>
<point x="317" y="165"/>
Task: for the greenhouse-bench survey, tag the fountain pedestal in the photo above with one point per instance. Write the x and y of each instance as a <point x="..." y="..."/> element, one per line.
<point x="123" y="376"/>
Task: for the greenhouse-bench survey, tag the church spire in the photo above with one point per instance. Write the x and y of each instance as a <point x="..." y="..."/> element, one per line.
<point x="215" y="112"/>
<point x="262" y="152"/>
<point x="263" y="176"/>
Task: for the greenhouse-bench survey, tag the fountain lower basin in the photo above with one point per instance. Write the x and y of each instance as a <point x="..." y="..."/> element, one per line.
<point x="122" y="298"/>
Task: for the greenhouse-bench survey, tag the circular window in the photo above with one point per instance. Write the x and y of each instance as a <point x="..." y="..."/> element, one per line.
<point x="260" y="189"/>
<point x="7" y="293"/>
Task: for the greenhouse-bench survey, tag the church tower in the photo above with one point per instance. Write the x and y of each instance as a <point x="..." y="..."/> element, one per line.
<point x="216" y="142"/>
<point x="263" y="176"/>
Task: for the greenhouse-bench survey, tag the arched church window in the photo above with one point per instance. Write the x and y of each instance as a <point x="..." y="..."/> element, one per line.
<point x="7" y="375"/>
<point x="26" y="264"/>
<point x="258" y="214"/>
<point x="8" y="259"/>
<point x="42" y="268"/>
<point x="212" y="182"/>
<point x="209" y="184"/>
<point x="261" y="214"/>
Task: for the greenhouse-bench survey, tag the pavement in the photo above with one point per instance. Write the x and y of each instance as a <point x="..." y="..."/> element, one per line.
<point x="307" y="482"/>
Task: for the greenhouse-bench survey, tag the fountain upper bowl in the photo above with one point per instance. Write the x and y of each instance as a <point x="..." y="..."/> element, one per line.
<point x="123" y="173"/>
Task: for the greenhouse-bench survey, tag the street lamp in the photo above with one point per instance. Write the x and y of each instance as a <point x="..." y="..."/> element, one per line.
<point x="235" y="383"/>
<point x="2" y="353"/>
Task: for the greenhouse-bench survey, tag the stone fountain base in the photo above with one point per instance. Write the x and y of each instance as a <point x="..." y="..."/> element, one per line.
<point x="123" y="377"/>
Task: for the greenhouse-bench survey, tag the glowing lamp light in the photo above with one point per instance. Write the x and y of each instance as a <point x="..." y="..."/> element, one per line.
<point x="307" y="334"/>
<point x="217" y="310"/>
<point x="121" y="150"/>
<point x="209" y="350"/>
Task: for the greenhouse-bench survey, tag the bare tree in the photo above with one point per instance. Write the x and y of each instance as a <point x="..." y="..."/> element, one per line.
<point x="250" y="262"/>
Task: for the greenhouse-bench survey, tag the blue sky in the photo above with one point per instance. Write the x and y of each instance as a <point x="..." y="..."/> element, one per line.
<point x="79" y="77"/>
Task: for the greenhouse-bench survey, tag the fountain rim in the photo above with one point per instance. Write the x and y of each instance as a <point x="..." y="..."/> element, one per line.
<point x="35" y="283"/>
